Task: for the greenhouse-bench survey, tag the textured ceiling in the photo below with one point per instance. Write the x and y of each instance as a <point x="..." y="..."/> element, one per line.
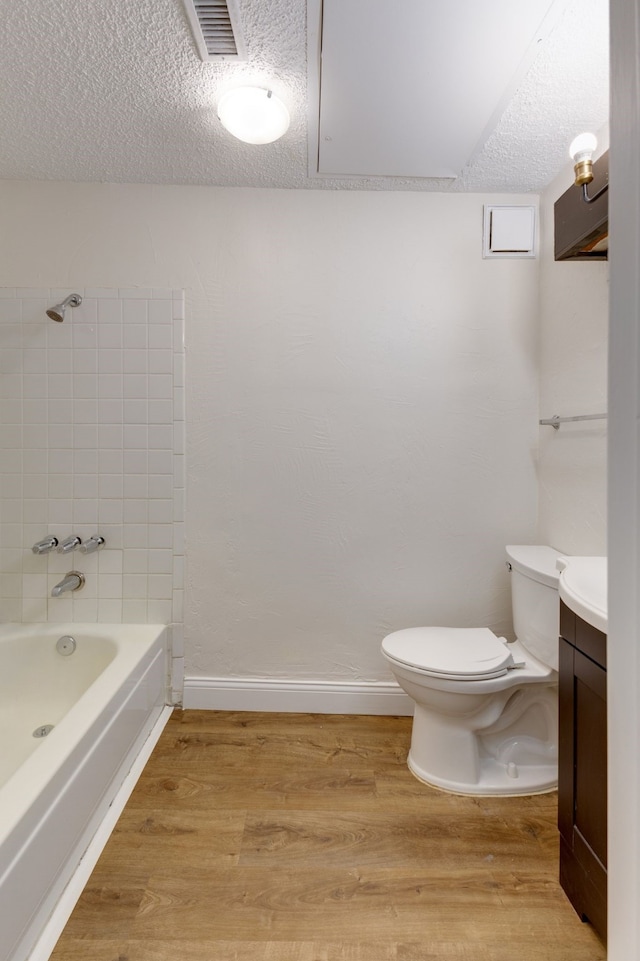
<point x="115" y="92"/>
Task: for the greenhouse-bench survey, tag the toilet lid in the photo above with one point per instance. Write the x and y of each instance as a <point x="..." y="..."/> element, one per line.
<point x="454" y="652"/>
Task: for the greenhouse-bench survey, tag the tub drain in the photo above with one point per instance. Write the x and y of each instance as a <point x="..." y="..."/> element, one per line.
<point x="43" y="730"/>
<point x="66" y="645"/>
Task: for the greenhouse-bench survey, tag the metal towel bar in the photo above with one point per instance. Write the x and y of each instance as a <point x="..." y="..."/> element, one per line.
<point x="556" y="420"/>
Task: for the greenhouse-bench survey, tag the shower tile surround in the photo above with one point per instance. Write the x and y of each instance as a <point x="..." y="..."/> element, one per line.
<point x="92" y="441"/>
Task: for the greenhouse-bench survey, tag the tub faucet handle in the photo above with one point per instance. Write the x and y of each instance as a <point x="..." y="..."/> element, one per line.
<point x="45" y="545"/>
<point x="69" y="544"/>
<point x="94" y="543"/>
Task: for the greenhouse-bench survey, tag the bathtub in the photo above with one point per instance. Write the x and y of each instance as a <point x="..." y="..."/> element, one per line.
<point x="93" y="710"/>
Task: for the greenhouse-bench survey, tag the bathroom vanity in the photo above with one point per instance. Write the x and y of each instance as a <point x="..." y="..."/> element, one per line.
<point x="582" y="745"/>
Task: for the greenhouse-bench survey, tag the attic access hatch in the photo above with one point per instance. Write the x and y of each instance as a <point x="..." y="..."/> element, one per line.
<point x="413" y="89"/>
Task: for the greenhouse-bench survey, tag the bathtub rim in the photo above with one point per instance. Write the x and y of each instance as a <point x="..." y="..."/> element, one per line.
<point x="49" y="849"/>
<point x="50" y="934"/>
<point x="41" y="766"/>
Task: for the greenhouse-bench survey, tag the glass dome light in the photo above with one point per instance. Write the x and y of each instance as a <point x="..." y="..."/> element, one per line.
<point x="253" y="114"/>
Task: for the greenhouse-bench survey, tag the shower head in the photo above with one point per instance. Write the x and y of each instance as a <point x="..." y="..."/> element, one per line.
<point x="57" y="312"/>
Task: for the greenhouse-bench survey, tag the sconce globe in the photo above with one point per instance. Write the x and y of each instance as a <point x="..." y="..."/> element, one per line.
<point x="583" y="147"/>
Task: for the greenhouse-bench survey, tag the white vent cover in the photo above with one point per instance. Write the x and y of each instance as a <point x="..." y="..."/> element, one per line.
<point x="509" y="231"/>
<point x="216" y="29"/>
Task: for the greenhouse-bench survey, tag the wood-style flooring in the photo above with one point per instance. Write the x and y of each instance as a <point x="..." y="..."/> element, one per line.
<point x="300" y="837"/>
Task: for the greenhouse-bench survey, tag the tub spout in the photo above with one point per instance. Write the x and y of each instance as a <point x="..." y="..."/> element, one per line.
<point x="72" y="581"/>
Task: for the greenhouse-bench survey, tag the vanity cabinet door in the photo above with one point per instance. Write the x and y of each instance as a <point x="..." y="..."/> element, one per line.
<point x="582" y="783"/>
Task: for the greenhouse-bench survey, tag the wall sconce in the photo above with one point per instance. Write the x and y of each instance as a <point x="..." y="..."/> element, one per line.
<point x="253" y="114"/>
<point x="582" y="150"/>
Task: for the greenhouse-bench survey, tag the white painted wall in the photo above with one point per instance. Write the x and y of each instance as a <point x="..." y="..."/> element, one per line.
<point x="574" y="315"/>
<point x="366" y="435"/>
<point x="361" y="408"/>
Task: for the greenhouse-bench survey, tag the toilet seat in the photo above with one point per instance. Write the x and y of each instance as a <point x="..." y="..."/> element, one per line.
<point x="452" y="653"/>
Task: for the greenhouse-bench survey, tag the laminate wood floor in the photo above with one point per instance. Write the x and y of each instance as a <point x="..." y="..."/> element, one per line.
<point x="300" y="837"/>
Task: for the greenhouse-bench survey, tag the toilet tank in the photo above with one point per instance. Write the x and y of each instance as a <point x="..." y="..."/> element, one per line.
<point x="535" y="600"/>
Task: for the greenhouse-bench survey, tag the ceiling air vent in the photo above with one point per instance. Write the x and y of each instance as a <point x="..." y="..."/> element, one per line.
<point x="216" y="29"/>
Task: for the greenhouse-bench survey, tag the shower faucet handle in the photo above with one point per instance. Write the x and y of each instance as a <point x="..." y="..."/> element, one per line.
<point x="69" y="544"/>
<point x="45" y="545"/>
<point x="94" y="543"/>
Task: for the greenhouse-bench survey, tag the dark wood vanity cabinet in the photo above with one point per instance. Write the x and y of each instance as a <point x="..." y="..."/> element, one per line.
<point x="582" y="767"/>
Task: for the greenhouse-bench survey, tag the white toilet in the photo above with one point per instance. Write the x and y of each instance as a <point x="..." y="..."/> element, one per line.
<point x="486" y="710"/>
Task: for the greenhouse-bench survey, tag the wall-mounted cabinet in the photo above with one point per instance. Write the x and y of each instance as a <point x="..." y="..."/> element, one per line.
<point x="582" y="229"/>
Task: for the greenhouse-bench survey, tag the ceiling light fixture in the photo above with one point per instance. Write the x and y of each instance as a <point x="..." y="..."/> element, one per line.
<point x="253" y="114"/>
<point x="582" y="150"/>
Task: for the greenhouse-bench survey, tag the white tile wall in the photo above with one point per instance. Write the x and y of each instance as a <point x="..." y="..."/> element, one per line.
<point x="92" y="441"/>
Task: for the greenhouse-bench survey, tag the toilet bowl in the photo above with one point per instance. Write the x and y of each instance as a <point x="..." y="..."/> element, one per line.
<point x="485" y="718"/>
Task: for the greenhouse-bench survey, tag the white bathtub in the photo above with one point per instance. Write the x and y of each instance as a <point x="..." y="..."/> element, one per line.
<point x="107" y="703"/>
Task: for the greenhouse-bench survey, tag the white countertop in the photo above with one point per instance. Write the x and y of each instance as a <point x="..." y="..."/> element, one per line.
<point x="583" y="588"/>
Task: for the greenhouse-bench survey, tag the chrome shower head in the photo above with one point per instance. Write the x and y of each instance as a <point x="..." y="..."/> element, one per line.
<point x="57" y="313"/>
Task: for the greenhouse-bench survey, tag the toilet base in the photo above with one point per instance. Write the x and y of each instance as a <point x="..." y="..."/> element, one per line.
<point x="501" y="744"/>
<point x="494" y="781"/>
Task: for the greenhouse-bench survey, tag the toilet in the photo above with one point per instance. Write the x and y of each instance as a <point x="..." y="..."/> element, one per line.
<point x="486" y="709"/>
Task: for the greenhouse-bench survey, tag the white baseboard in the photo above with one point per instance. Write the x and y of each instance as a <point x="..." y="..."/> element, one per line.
<point x="295" y="696"/>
